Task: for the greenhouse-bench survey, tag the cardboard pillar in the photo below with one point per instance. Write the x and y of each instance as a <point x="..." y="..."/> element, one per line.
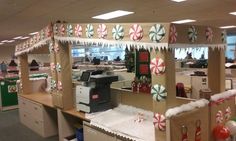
<point x="64" y="76"/>
<point x="166" y="79"/>
<point x="24" y="74"/>
<point x="216" y="70"/>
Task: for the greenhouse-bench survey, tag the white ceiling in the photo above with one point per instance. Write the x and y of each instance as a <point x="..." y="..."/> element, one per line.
<point x="20" y="17"/>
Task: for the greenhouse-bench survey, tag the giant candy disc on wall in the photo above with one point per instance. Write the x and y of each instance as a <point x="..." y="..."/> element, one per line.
<point x="118" y="32"/>
<point x="173" y="34"/>
<point x="209" y="34"/>
<point x="158" y="92"/>
<point x="78" y="30"/>
<point x="89" y="31"/>
<point x="157" y="66"/>
<point x="69" y="30"/>
<point x="102" y="31"/>
<point x="159" y="121"/>
<point x="157" y="33"/>
<point x="136" y="32"/>
<point x="192" y="34"/>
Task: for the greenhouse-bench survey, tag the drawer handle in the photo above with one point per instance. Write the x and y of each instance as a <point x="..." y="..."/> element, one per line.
<point x="24" y="115"/>
<point x="35" y="108"/>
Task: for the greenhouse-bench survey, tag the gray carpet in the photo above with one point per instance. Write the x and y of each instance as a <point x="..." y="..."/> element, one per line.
<point x="12" y="130"/>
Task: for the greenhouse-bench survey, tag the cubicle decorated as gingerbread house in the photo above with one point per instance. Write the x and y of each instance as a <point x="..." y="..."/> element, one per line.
<point x="174" y="118"/>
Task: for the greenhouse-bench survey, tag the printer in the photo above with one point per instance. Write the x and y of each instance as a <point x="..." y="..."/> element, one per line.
<point x="93" y="93"/>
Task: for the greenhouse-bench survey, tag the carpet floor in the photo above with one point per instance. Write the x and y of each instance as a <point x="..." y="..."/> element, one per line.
<point x="12" y="130"/>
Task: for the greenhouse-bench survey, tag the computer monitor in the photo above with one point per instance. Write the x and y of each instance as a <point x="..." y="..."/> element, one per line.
<point x="85" y="76"/>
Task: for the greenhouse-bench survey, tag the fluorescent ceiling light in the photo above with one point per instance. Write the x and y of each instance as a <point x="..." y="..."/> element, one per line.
<point x="233" y="13"/>
<point x="1" y="43"/>
<point x="19" y="37"/>
<point x="26" y="37"/>
<point x="111" y="15"/>
<point x="184" y="21"/>
<point x="226" y="27"/>
<point x="4" y="41"/>
<point x="178" y="0"/>
<point x="33" y="33"/>
<point x="10" y="41"/>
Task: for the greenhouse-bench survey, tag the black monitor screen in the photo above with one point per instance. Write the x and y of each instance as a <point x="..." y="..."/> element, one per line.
<point x="85" y="76"/>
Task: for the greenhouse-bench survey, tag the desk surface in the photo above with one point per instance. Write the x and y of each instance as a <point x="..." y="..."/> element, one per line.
<point x="46" y="99"/>
<point x="42" y="98"/>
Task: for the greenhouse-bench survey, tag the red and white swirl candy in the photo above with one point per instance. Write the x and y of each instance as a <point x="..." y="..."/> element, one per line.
<point x="102" y="31"/>
<point x="49" y="31"/>
<point x="62" y="29"/>
<point x="159" y="121"/>
<point x="209" y="34"/>
<point x="136" y="32"/>
<point x="173" y="34"/>
<point x="59" y="85"/>
<point x="219" y="117"/>
<point x="157" y="66"/>
<point x="78" y="30"/>
<point x="228" y="113"/>
<point x="52" y="66"/>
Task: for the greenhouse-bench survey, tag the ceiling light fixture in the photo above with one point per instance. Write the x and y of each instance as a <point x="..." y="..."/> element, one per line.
<point x="233" y="13"/>
<point x="178" y="0"/>
<point x="4" y="41"/>
<point x="113" y="14"/>
<point x="1" y="43"/>
<point x="26" y="37"/>
<point x="229" y="26"/>
<point x="33" y="33"/>
<point x="184" y="21"/>
<point x="19" y="37"/>
<point x="10" y="41"/>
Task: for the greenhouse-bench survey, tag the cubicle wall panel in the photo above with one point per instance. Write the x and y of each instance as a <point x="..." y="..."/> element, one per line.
<point x="185" y="125"/>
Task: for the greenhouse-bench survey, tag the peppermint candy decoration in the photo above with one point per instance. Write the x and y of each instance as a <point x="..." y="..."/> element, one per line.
<point x="55" y="28"/>
<point x="56" y="47"/>
<point x="89" y="31"/>
<point x="78" y="30"/>
<point x="223" y="36"/>
<point x="102" y="31"/>
<point x="157" y="33"/>
<point x="49" y="31"/>
<point x="69" y="30"/>
<point x="118" y="32"/>
<point x="192" y="34"/>
<point x="42" y="35"/>
<point x="136" y="32"/>
<point x="59" y="85"/>
<point x="219" y="117"/>
<point x="52" y="66"/>
<point x="173" y="34"/>
<point x="58" y="67"/>
<point x="157" y="66"/>
<point x="62" y="29"/>
<point x="228" y="113"/>
<point x="158" y="92"/>
<point x="37" y="37"/>
<point x="159" y="121"/>
<point x="53" y="84"/>
<point x="209" y="34"/>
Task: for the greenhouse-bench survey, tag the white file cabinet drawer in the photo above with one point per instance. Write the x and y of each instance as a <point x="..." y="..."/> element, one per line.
<point x="36" y="117"/>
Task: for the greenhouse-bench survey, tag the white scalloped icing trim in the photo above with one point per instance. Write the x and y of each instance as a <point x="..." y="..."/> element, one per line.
<point x="37" y="45"/>
<point x="186" y="107"/>
<point x="223" y="95"/>
<point x="104" y="42"/>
